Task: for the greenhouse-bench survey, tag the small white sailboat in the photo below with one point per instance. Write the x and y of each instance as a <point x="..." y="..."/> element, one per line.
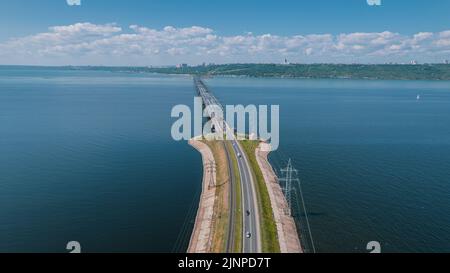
<point x="418" y="97"/>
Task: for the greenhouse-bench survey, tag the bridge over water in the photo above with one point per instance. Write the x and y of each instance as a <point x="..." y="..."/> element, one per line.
<point x="250" y="215"/>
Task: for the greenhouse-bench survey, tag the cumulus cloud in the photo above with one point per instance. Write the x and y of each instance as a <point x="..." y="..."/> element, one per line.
<point x="110" y="44"/>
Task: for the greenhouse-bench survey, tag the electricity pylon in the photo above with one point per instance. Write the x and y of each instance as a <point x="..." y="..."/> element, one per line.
<point x="288" y="178"/>
<point x="211" y="168"/>
<point x="288" y="188"/>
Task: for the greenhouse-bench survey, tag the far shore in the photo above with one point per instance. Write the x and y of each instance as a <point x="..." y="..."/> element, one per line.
<point x="319" y="71"/>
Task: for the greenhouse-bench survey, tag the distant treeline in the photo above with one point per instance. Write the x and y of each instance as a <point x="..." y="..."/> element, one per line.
<point x="314" y="71"/>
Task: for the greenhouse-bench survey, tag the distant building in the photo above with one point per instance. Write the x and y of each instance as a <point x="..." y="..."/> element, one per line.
<point x="413" y="62"/>
<point x="182" y="65"/>
<point x="287" y="62"/>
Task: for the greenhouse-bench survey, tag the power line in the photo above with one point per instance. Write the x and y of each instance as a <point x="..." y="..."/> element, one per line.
<point x="211" y="169"/>
<point x="290" y="176"/>
<point x="183" y="235"/>
<point x="306" y="215"/>
<point x="287" y="189"/>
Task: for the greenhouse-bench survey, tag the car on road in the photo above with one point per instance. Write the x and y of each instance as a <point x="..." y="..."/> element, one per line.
<point x="248" y="213"/>
<point x="248" y="235"/>
<point x="239" y="155"/>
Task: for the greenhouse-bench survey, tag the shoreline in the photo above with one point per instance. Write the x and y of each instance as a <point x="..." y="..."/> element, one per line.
<point x="443" y="74"/>
<point x="201" y="237"/>
<point x="203" y="231"/>
<point x="288" y="237"/>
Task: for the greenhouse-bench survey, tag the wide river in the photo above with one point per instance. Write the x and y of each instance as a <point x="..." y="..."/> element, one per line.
<point x="88" y="156"/>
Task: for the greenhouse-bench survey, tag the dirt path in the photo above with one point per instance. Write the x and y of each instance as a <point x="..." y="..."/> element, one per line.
<point x="201" y="239"/>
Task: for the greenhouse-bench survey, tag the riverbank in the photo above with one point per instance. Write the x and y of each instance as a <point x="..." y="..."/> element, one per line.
<point x="202" y="235"/>
<point x="225" y="222"/>
<point x="433" y="71"/>
<point x="288" y="237"/>
<point x="279" y="231"/>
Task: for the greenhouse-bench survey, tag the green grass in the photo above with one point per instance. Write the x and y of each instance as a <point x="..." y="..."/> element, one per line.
<point x="237" y="187"/>
<point x="221" y="206"/>
<point x="269" y="235"/>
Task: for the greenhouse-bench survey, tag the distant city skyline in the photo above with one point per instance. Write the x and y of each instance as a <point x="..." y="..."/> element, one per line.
<point x="51" y="32"/>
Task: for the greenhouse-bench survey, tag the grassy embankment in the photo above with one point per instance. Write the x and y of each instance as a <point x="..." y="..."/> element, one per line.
<point x="269" y="236"/>
<point x="222" y="204"/>
<point x="238" y="197"/>
<point x="222" y="207"/>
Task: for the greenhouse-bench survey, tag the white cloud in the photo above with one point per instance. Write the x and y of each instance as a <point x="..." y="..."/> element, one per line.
<point x="109" y="44"/>
<point x="86" y="28"/>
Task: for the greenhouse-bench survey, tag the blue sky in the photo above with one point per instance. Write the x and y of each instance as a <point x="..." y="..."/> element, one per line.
<point x="285" y="19"/>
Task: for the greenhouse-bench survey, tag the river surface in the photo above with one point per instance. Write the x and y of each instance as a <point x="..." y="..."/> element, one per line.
<point x="88" y="156"/>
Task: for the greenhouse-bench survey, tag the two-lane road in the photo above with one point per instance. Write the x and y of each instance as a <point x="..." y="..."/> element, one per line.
<point x="251" y="227"/>
<point x="251" y="235"/>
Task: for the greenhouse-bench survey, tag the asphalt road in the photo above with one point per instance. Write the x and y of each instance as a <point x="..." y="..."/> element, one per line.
<point x="251" y="228"/>
<point x="233" y="206"/>
<point x="249" y="205"/>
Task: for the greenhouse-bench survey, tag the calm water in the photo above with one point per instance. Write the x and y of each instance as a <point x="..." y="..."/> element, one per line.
<point x="88" y="156"/>
<point x="374" y="161"/>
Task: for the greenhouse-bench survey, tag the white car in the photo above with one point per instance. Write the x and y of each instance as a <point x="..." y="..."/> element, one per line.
<point x="248" y="235"/>
<point x="239" y="155"/>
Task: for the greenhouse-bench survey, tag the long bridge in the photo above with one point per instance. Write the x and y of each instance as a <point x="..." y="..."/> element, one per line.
<point x="251" y="223"/>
